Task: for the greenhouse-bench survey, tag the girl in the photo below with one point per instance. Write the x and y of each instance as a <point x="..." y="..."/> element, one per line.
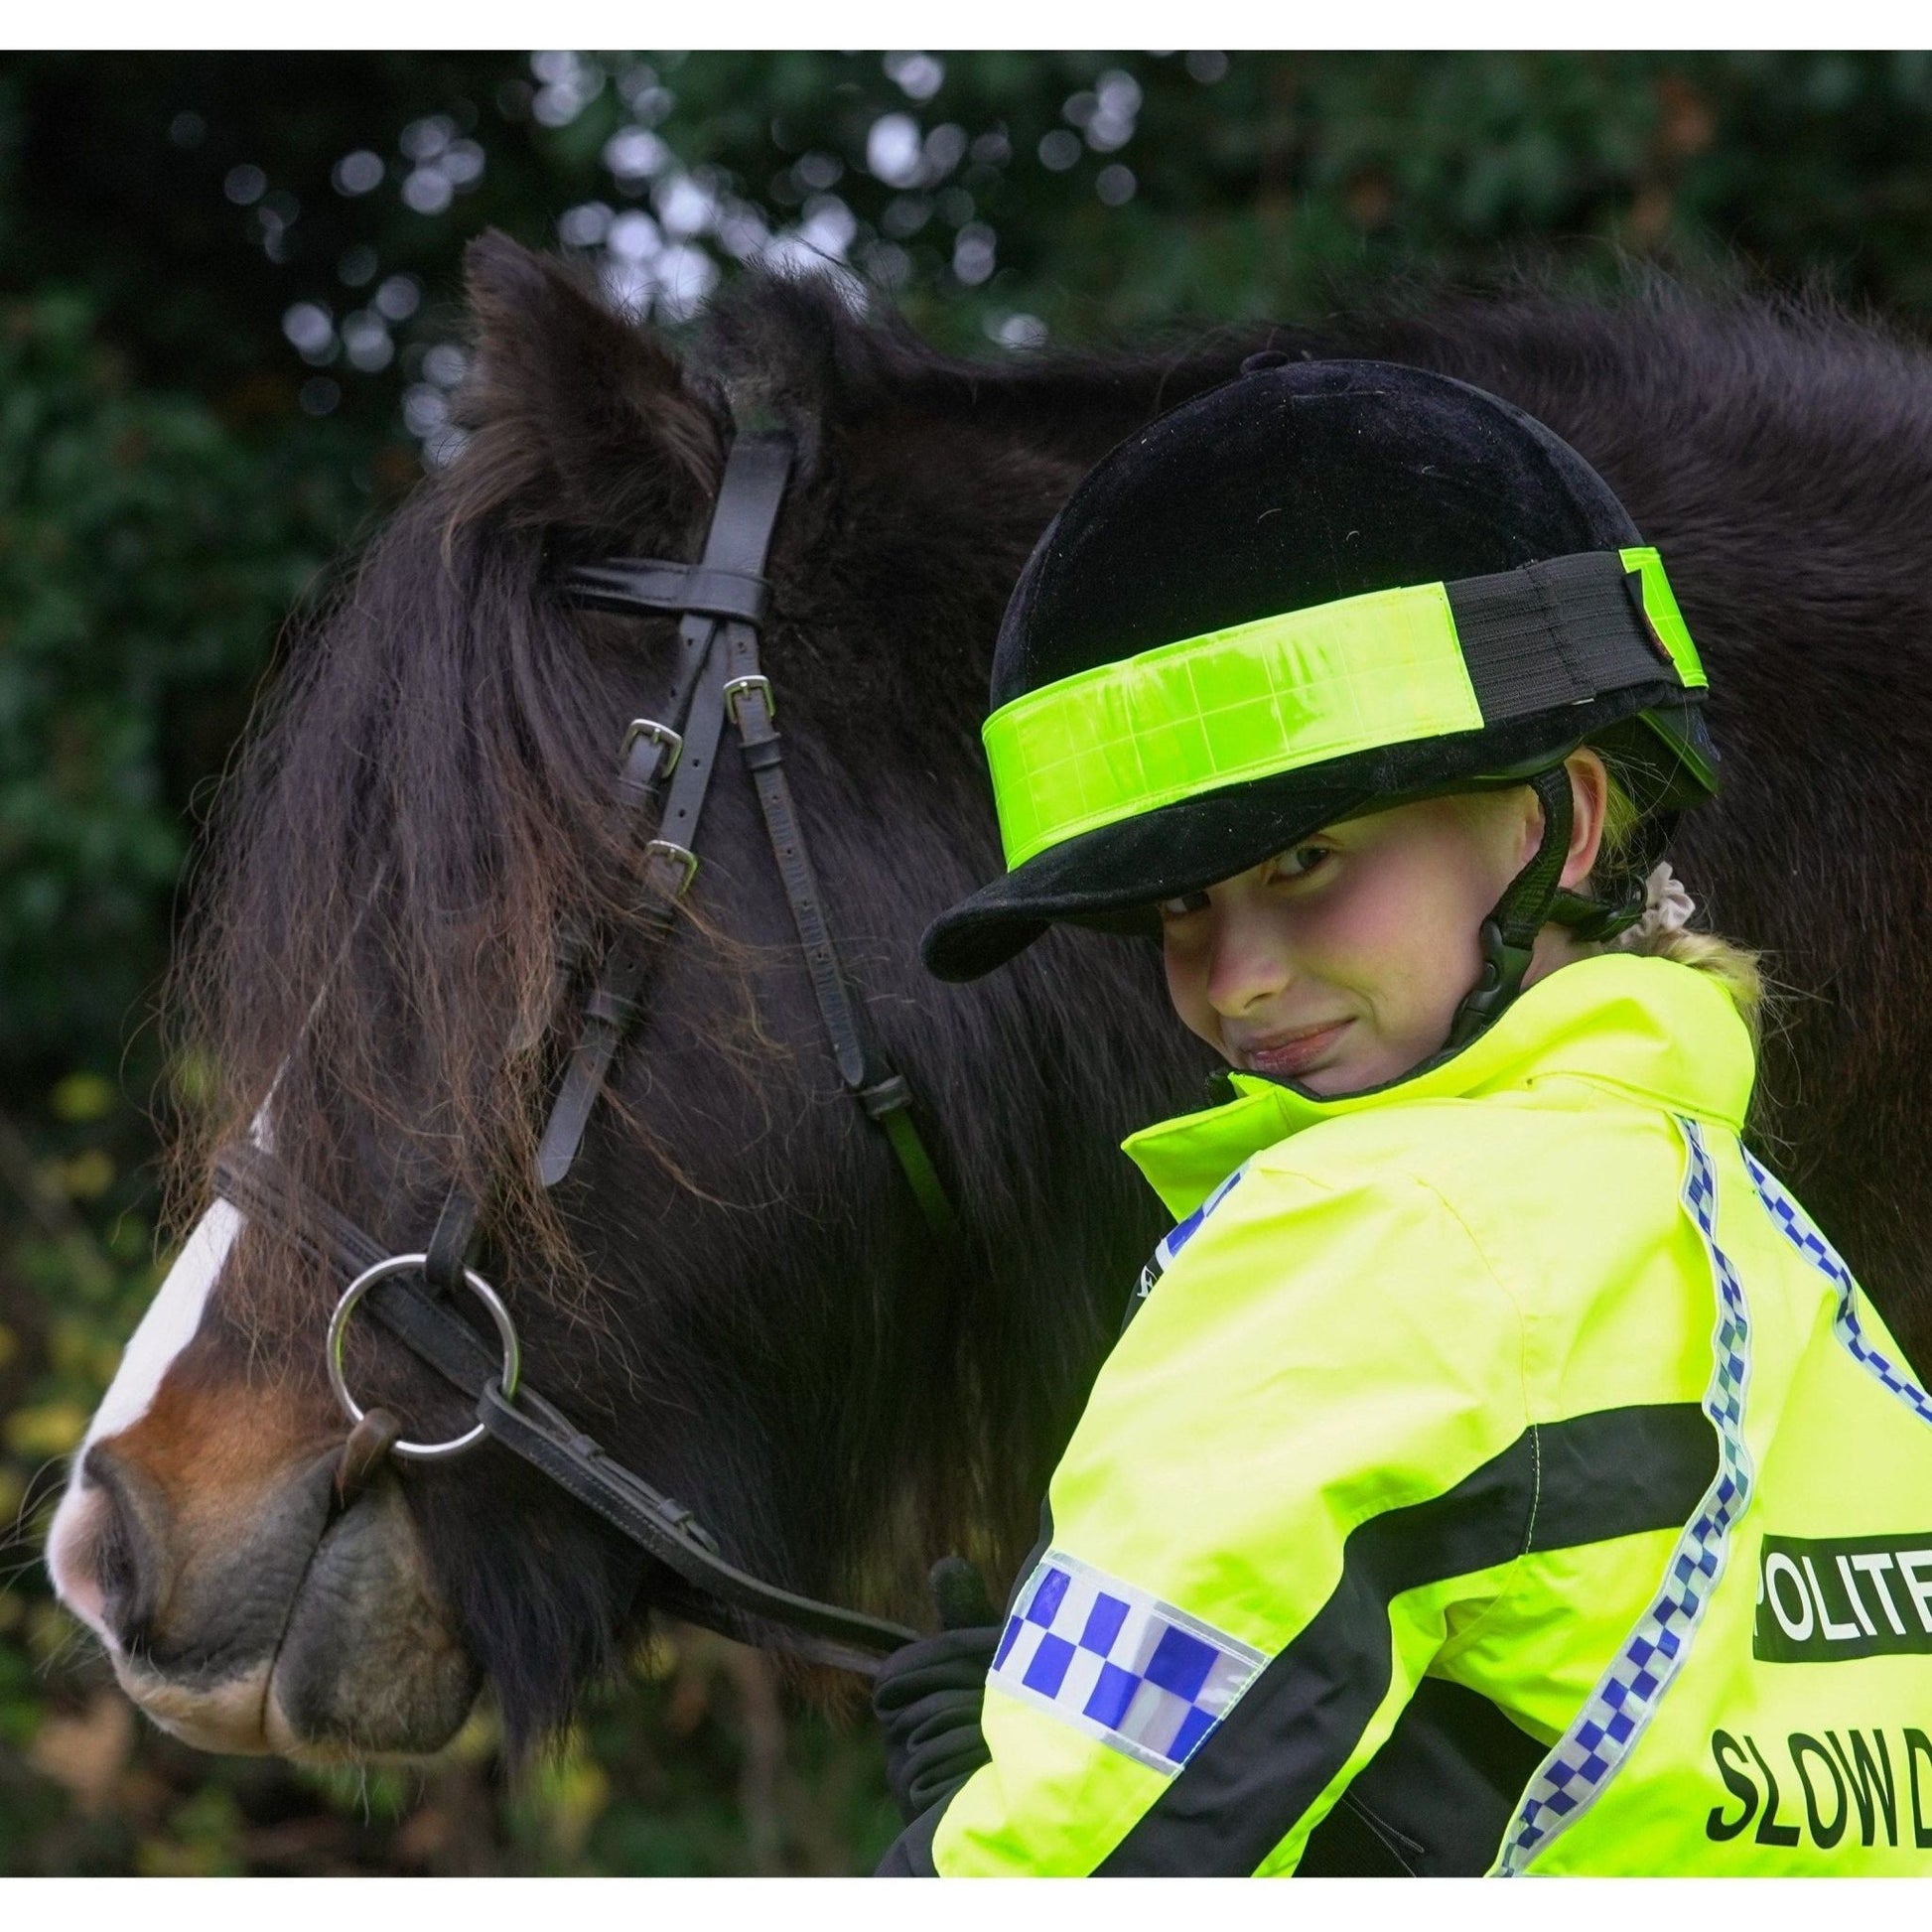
<point x="1494" y="1444"/>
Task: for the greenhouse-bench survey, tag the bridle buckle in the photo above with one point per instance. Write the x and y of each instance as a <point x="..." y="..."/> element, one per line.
<point x="739" y="687"/>
<point x="672" y="743"/>
<point x="680" y="855"/>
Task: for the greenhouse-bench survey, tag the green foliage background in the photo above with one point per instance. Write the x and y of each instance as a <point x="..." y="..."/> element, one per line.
<point x="228" y="322"/>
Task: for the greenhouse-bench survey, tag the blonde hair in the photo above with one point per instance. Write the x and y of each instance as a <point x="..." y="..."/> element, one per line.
<point x="1737" y="968"/>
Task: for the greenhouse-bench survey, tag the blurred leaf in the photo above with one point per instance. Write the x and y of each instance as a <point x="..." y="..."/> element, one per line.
<point x="83" y="1097"/>
<point x="51" y="1428"/>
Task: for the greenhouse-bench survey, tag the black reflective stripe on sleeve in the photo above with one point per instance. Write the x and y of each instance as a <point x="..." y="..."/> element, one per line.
<point x="1435" y="1799"/>
<point x="1586" y="1479"/>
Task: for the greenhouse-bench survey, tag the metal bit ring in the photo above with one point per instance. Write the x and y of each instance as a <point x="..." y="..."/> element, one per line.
<point x="339" y="1332"/>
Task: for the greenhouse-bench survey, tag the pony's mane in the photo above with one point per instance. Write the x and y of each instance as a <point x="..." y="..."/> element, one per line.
<point x="424" y="801"/>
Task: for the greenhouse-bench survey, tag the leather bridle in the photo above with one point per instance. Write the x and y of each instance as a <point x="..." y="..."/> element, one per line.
<point x="720" y="602"/>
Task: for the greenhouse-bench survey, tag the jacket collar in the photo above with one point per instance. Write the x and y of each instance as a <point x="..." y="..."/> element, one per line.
<point x="1661" y="1034"/>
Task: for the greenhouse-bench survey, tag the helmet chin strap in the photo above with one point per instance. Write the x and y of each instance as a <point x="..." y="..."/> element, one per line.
<point x="1508" y="934"/>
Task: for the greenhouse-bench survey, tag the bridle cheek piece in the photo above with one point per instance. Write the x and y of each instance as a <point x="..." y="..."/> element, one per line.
<point x="668" y="767"/>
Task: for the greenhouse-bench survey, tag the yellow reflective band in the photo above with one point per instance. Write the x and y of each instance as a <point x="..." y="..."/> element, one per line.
<point x="1660" y="606"/>
<point x="1260" y="698"/>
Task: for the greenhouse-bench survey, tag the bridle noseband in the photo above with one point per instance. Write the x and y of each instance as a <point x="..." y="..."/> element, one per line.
<point x="720" y="602"/>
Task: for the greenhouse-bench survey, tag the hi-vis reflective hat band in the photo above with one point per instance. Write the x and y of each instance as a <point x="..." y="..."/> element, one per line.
<point x="1287" y="692"/>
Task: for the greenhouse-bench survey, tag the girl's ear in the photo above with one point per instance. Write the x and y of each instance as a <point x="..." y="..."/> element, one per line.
<point x="1590" y="785"/>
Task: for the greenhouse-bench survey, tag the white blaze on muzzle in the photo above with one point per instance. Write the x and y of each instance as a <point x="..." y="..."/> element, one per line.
<point x="168" y="1326"/>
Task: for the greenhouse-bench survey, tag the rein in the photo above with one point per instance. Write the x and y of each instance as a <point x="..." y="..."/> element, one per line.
<point x="720" y="602"/>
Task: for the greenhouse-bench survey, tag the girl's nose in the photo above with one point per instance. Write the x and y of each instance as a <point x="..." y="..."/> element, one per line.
<point x="1248" y="965"/>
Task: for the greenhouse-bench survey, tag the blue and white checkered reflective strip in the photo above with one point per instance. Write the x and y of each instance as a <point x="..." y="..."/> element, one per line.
<point x="1177" y="1238"/>
<point x="1604" y="1731"/>
<point x="1120" y="1665"/>
<point x="1183" y="1231"/>
<point x="1796" y="1227"/>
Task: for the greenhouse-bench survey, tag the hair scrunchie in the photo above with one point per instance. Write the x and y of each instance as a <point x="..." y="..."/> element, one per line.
<point x="1667" y="909"/>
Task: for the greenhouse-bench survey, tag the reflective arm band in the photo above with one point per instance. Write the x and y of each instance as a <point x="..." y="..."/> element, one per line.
<point x="1286" y="692"/>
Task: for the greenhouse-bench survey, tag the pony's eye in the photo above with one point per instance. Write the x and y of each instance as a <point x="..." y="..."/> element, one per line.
<point x="1179" y="909"/>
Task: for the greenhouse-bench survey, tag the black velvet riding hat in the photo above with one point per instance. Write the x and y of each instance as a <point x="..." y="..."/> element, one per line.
<point x="1320" y="590"/>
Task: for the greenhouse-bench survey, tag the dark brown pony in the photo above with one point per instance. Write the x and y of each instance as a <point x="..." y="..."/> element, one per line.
<point x="735" y="1290"/>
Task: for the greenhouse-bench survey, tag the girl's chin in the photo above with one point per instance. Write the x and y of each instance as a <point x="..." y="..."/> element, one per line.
<point x="1360" y="1072"/>
<point x="1352" y="1073"/>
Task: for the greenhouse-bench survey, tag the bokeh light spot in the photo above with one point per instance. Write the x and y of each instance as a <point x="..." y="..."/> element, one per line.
<point x="425" y="408"/>
<point x="634" y="154"/>
<point x="1060" y="150"/>
<point x="445" y="365"/>
<point x="366" y="341"/>
<point x="685" y="275"/>
<point x="399" y="297"/>
<point x="829" y="226"/>
<point x="635" y="236"/>
<point x="893" y="149"/>
<point x="584" y="225"/>
<point x="972" y="253"/>
<point x="918" y="76"/>
<point x="685" y="206"/>
<point x="427" y="190"/>
<point x="358" y="173"/>
<point x="310" y="328"/>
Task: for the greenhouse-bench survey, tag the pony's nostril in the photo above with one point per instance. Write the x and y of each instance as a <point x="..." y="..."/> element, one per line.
<point x="126" y="1552"/>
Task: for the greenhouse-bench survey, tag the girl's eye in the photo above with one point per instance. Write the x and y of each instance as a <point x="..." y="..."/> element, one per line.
<point x="1300" y="861"/>
<point x="1179" y="907"/>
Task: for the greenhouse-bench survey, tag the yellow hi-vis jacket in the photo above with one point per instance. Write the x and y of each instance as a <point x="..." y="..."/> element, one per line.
<point x="1521" y="1382"/>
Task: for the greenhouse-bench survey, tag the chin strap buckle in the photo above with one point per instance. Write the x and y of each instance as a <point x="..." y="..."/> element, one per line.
<point x="1501" y="979"/>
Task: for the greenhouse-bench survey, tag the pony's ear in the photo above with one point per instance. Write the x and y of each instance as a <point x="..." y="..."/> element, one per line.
<point x="577" y="416"/>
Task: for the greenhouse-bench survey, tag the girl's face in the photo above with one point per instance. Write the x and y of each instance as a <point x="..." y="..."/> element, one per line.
<point x="1340" y="964"/>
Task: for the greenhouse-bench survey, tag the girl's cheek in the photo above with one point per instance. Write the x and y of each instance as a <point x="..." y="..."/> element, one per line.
<point x="1188" y="992"/>
<point x="1390" y="939"/>
<point x="1355" y="930"/>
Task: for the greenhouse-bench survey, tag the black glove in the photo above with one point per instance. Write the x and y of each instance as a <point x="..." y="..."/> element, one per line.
<point x="928" y="1695"/>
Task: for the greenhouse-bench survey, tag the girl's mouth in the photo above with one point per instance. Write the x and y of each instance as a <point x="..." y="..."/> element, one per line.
<point x="1292" y="1053"/>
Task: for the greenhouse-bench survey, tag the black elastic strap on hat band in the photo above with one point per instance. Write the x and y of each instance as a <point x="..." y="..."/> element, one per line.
<point x="1508" y="934"/>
